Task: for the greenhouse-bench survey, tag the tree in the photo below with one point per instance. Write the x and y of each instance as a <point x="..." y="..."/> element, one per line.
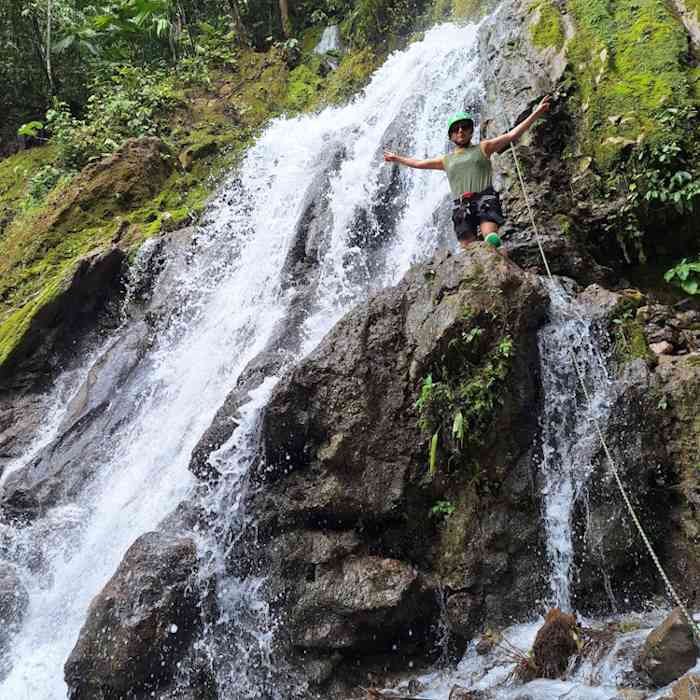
<point x="284" y="15"/>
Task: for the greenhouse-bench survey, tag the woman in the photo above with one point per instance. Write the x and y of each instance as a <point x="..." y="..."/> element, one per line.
<point x="469" y="172"/>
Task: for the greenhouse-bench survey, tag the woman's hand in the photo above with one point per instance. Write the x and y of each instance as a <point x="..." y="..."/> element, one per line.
<point x="543" y="106"/>
<point x="389" y="156"/>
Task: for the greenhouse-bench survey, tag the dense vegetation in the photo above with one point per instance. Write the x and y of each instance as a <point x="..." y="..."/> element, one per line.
<point x="70" y="52"/>
<point x="80" y="78"/>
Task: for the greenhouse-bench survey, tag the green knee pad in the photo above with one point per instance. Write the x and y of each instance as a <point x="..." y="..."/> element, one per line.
<point x="494" y="239"/>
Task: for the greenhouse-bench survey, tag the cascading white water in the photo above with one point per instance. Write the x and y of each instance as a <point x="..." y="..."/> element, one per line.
<point x="569" y="439"/>
<point x="228" y="302"/>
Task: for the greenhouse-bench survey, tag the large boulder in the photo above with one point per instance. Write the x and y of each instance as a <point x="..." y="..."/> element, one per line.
<point x="362" y="602"/>
<point x="669" y="650"/>
<point x="139" y="626"/>
<point x="348" y="498"/>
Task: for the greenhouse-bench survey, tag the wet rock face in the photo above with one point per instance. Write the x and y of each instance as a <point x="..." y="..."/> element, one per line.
<point x="607" y="545"/>
<point x="669" y="650"/>
<point x="140" y="624"/>
<point x="59" y="471"/>
<point x="14" y="601"/>
<point x="360" y="603"/>
<point x="347" y="525"/>
<point x="90" y="290"/>
<point x="678" y="390"/>
<point x="516" y="75"/>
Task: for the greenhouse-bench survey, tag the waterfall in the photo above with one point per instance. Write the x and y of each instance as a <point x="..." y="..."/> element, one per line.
<point x="225" y="303"/>
<point x="569" y="438"/>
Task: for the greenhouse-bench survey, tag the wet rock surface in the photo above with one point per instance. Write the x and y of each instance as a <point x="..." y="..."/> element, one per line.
<point x="669" y="650"/>
<point x="14" y="601"/>
<point x="140" y="624"/>
<point x="344" y="496"/>
<point x="608" y="545"/>
<point x="60" y="470"/>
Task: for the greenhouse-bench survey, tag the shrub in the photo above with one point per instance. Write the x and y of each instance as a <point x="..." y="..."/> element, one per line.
<point x="686" y="275"/>
<point x="126" y="102"/>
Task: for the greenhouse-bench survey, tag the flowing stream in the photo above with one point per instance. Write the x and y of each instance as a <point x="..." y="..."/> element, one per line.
<point x="569" y="438"/>
<point x="226" y="303"/>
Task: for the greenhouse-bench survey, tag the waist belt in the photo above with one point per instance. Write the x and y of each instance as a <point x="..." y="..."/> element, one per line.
<point x="469" y="197"/>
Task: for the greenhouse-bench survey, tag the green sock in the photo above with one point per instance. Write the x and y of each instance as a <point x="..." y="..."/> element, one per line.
<point x="493" y="239"/>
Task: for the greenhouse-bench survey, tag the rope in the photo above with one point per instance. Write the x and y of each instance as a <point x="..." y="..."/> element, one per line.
<point x="611" y="462"/>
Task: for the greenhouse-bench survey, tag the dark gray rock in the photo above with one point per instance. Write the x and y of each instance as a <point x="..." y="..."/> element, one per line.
<point x="606" y="544"/>
<point x="140" y="624"/>
<point x="669" y="650"/>
<point x="343" y="498"/>
<point x="14" y="601"/>
<point x="364" y="602"/>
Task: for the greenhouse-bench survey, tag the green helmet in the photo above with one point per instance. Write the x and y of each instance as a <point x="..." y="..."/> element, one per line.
<point x="459" y="117"/>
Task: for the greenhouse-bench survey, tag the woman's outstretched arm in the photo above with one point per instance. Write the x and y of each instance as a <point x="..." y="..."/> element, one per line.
<point x="429" y="164"/>
<point x="489" y="146"/>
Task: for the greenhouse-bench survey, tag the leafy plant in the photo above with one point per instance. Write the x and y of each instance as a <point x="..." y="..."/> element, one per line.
<point x="125" y="102"/>
<point x="456" y="401"/>
<point x="30" y="129"/>
<point x="442" y="509"/>
<point x="659" y="181"/>
<point x="686" y="275"/>
<point x="41" y="184"/>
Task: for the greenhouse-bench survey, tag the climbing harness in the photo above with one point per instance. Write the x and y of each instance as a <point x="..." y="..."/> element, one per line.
<point x="579" y="373"/>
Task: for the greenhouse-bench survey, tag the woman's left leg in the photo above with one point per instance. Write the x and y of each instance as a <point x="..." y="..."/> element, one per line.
<point x="487" y="227"/>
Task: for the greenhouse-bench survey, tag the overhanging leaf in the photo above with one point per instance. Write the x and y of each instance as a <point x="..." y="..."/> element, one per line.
<point x="433" y="452"/>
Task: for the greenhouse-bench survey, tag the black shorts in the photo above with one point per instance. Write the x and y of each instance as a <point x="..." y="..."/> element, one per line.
<point x="467" y="214"/>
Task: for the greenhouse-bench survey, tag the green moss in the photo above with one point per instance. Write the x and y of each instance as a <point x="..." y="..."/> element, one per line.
<point x="310" y="38"/>
<point x="15" y="326"/>
<point x="352" y="74"/>
<point x="16" y="172"/>
<point x="460" y="9"/>
<point x="628" y="61"/>
<point x="631" y="342"/>
<point x="304" y="86"/>
<point x="693" y="6"/>
<point x="547" y="31"/>
<point x="564" y="223"/>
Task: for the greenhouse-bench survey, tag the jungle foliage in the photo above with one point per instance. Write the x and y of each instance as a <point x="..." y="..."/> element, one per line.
<point x="67" y="52"/>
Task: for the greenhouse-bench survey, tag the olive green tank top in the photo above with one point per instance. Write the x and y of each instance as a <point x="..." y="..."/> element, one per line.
<point x="468" y="170"/>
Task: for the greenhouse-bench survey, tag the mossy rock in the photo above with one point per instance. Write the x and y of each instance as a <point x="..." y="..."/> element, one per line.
<point x="16" y="172"/>
<point x="547" y="29"/>
<point x="39" y="252"/>
<point x="628" y="61"/>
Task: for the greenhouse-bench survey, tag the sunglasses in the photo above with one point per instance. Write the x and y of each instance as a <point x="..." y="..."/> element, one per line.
<point x="462" y="127"/>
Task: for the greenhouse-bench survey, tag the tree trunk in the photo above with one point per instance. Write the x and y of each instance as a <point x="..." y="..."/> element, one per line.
<point x="284" y="14"/>
<point x="238" y="28"/>
<point x="49" y="73"/>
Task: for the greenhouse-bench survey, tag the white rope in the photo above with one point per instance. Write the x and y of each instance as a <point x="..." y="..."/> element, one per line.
<point x="611" y="462"/>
